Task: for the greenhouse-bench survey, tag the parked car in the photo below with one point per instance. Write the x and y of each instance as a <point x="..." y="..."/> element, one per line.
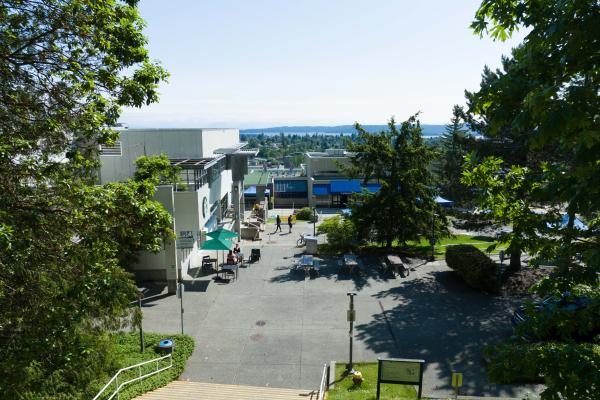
<point x="565" y="303"/>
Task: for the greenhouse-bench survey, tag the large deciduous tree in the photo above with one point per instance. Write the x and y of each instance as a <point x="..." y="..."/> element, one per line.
<point x="403" y="209"/>
<point x="66" y="68"/>
<point x="546" y="98"/>
<point x="545" y="101"/>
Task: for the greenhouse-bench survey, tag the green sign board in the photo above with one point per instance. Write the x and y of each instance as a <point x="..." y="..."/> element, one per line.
<point x="400" y="371"/>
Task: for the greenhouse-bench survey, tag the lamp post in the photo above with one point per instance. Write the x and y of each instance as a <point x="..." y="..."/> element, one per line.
<point x="432" y="240"/>
<point x="142" y="344"/>
<point x="351" y="316"/>
<point x="315" y="221"/>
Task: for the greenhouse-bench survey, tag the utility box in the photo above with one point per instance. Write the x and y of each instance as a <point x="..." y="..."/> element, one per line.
<point x="311" y="244"/>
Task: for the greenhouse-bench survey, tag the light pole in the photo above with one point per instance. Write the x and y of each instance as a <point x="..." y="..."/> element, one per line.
<point x="432" y="240"/>
<point x="351" y="317"/>
<point x="315" y="221"/>
<point x="142" y="344"/>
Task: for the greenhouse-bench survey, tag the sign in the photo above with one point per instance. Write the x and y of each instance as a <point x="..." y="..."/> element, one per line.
<point x="185" y="240"/>
<point x="400" y="371"/>
<point x="351" y="315"/>
<point x="456" y="379"/>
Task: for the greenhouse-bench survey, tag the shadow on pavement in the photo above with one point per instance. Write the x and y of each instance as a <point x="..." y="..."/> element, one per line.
<point x="441" y="320"/>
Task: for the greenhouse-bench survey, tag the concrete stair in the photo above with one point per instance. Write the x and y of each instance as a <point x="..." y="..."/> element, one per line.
<point x="184" y="390"/>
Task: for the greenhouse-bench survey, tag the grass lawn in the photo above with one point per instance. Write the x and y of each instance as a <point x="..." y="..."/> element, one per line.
<point x="127" y="352"/>
<point x="423" y="248"/>
<point x="346" y="390"/>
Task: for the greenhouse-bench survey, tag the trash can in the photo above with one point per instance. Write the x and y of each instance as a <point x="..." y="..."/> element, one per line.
<point x="311" y="244"/>
<point x="165" y="346"/>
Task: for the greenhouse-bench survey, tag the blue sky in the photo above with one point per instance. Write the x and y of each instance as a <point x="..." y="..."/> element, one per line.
<point x="261" y="63"/>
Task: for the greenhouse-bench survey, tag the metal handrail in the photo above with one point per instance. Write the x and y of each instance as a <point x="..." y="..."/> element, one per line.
<point x="115" y="378"/>
<point x="323" y="384"/>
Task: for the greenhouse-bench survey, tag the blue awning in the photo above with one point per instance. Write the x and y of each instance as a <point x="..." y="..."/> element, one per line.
<point x="373" y="187"/>
<point x="321" y="190"/>
<point x="346" y="186"/>
<point x="250" y="191"/>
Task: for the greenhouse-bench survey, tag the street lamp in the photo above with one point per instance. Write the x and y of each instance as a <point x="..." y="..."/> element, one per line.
<point x="432" y="240"/>
<point x="315" y="221"/>
<point x="351" y="317"/>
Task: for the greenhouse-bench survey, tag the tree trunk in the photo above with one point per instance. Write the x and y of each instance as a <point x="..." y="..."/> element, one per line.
<point x="515" y="259"/>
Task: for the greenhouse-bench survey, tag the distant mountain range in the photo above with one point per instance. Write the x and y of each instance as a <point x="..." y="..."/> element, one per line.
<point x="428" y="130"/>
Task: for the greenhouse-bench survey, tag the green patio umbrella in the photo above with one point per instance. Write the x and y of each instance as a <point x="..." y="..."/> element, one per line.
<point x="222" y="234"/>
<point x="217" y="244"/>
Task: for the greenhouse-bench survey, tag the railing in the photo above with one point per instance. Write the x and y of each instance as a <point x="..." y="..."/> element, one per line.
<point x="323" y="385"/>
<point x="115" y="378"/>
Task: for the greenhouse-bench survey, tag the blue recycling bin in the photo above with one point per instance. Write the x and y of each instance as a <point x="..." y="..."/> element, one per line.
<point x="165" y="346"/>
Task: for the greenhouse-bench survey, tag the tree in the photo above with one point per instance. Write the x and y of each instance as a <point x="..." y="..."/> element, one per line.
<point x="66" y="68"/>
<point x="546" y="99"/>
<point x="403" y="208"/>
<point x="453" y="145"/>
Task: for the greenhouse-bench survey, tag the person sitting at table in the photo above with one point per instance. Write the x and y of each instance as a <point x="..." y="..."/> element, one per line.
<point x="231" y="258"/>
<point x="236" y="249"/>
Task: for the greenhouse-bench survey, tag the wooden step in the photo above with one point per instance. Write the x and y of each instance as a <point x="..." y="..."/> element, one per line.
<point x="184" y="390"/>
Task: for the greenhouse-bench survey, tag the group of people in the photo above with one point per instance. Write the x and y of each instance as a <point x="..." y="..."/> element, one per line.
<point x="278" y="223"/>
<point x="234" y="256"/>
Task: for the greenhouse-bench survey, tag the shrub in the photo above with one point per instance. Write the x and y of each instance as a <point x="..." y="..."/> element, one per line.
<point x="304" y="214"/>
<point x="126" y="350"/>
<point x="473" y="266"/>
<point x="569" y="370"/>
<point x="340" y="233"/>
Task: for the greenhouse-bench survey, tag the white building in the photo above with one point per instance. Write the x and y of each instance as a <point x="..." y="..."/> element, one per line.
<point x="212" y="164"/>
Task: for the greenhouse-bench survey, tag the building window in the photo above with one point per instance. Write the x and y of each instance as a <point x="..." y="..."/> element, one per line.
<point x="286" y="189"/>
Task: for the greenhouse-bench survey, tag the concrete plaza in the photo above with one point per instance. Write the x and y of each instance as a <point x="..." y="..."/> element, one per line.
<point x="274" y="327"/>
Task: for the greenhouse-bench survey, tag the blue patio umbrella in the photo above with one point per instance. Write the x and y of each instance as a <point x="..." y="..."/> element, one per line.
<point x="444" y="202"/>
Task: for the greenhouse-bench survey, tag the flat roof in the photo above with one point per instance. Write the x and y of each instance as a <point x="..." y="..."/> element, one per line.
<point x="194" y="163"/>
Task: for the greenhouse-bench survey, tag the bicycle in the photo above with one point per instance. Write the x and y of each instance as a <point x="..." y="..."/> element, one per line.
<point x="301" y="242"/>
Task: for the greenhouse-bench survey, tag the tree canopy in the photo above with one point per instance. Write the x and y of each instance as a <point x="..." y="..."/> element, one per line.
<point x="66" y="68"/>
<point x="544" y="102"/>
<point x="403" y="209"/>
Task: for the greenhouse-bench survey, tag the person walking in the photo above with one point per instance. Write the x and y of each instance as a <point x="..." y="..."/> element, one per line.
<point x="290" y="222"/>
<point x="278" y="223"/>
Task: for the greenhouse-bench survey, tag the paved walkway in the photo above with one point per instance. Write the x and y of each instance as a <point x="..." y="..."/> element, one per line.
<point x="273" y="327"/>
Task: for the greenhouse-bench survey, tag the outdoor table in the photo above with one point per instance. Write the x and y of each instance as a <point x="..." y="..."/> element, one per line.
<point x="350" y="261"/>
<point x="230" y="267"/>
<point x="395" y="261"/>
<point x="307" y="262"/>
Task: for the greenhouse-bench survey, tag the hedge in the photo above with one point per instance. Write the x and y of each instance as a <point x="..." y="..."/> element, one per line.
<point x="127" y="351"/>
<point x="474" y="267"/>
<point x="304" y="214"/>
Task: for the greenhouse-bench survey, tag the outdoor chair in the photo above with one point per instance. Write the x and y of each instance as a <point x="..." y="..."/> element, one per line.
<point x="207" y="263"/>
<point x="254" y="255"/>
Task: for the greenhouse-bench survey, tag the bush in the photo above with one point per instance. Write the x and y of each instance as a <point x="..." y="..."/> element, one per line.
<point x="304" y="214"/>
<point x="126" y="349"/>
<point x="340" y="233"/>
<point x="474" y="267"/>
<point x="569" y="370"/>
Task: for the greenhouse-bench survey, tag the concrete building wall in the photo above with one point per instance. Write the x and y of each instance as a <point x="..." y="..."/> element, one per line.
<point x="160" y="266"/>
<point x="325" y="165"/>
<point x="176" y="143"/>
<point x="213" y="139"/>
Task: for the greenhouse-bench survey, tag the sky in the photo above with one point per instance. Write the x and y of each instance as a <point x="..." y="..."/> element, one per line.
<point x="264" y="63"/>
